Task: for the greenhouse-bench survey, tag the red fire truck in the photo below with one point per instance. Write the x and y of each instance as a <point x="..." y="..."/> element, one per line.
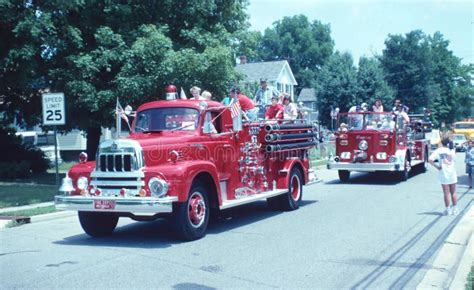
<point x="186" y="159"/>
<point x="370" y="142"/>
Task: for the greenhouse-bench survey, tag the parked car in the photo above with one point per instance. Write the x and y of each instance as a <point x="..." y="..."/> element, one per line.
<point x="43" y="141"/>
<point x="460" y="142"/>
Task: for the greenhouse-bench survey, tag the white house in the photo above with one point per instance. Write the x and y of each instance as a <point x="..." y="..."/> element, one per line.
<point x="277" y="73"/>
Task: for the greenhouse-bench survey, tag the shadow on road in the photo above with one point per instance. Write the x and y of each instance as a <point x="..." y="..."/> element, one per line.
<point x="159" y="233"/>
<point x="376" y="178"/>
<point x="392" y="261"/>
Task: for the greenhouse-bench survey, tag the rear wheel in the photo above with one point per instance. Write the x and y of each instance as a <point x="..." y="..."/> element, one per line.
<point x="98" y="224"/>
<point x="344" y="175"/>
<point x="192" y="216"/>
<point x="292" y="199"/>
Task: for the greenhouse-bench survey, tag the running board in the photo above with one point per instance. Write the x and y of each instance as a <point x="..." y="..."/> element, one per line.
<point x="252" y="198"/>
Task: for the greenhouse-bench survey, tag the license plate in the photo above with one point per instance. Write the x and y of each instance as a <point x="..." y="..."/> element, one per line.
<point x="104" y="204"/>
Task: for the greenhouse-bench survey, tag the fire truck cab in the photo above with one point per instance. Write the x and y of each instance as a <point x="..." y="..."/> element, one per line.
<point x="370" y="142"/>
<point x="185" y="159"/>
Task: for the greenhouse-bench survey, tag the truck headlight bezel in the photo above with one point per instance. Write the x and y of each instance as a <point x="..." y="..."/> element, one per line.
<point x="158" y="187"/>
<point x="82" y="183"/>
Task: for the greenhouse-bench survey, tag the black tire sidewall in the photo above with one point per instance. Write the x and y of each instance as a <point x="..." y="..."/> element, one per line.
<point x="184" y="228"/>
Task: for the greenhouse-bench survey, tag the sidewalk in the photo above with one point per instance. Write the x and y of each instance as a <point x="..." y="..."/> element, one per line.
<point x="454" y="260"/>
<point x="35" y="218"/>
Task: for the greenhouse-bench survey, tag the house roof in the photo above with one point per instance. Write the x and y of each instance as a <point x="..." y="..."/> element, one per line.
<point x="307" y="95"/>
<point x="270" y="70"/>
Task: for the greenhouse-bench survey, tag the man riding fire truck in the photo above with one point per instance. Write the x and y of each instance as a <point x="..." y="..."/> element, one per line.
<point x="186" y="159"/>
<point x="370" y="142"/>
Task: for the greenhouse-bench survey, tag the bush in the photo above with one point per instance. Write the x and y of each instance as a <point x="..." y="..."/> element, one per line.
<point x="17" y="159"/>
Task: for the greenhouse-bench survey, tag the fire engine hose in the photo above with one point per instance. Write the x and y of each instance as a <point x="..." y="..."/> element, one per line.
<point x="278" y="137"/>
<point x="281" y="147"/>
<point x="283" y="127"/>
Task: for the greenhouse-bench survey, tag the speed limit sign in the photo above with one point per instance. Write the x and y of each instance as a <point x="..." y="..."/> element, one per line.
<point x="53" y="109"/>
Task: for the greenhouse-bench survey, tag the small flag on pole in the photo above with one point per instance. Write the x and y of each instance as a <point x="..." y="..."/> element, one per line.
<point x="235" y="109"/>
<point x="120" y="112"/>
<point x="182" y="95"/>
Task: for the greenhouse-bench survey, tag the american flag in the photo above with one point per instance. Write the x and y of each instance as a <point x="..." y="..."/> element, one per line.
<point x="235" y="109"/>
<point x="120" y="112"/>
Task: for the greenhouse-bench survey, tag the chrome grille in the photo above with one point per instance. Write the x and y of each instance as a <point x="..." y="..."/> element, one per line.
<point x="117" y="162"/>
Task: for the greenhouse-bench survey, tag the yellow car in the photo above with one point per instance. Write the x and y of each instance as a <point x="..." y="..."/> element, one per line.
<point x="465" y="127"/>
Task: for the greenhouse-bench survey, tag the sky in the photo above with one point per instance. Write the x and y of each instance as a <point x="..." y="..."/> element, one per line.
<point x="361" y="27"/>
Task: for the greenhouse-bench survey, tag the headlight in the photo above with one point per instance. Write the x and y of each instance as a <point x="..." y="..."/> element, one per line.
<point x="157" y="187"/>
<point x="363" y="145"/>
<point x="82" y="183"/>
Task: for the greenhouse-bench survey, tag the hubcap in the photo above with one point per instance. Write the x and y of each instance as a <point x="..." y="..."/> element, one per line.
<point x="196" y="209"/>
<point x="295" y="188"/>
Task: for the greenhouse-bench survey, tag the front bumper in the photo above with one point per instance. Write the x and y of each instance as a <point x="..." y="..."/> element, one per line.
<point x="134" y="205"/>
<point x="368" y="167"/>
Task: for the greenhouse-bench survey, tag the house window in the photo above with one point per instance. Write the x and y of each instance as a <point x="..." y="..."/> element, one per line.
<point x="279" y="88"/>
<point x="287" y="89"/>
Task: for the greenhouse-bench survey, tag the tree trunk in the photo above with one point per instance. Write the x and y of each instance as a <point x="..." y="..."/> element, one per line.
<point x="93" y="139"/>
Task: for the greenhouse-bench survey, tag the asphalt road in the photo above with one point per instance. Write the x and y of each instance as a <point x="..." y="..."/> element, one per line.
<point x="371" y="233"/>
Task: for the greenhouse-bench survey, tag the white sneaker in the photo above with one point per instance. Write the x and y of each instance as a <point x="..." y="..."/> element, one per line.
<point x="448" y="211"/>
<point x="455" y="210"/>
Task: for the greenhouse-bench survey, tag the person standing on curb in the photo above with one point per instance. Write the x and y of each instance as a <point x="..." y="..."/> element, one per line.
<point x="469" y="160"/>
<point x="447" y="174"/>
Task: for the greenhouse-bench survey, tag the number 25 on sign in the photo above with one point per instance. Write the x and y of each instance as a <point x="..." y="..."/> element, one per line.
<point x="53" y="109"/>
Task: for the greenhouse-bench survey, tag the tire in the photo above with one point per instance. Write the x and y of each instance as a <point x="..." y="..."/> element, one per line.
<point x="192" y="216"/>
<point x="344" y="175"/>
<point x="403" y="175"/>
<point x="98" y="224"/>
<point x="292" y="199"/>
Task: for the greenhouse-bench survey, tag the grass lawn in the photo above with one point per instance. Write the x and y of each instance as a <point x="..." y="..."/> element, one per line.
<point x="470" y="279"/>
<point x="31" y="212"/>
<point x="34" y="189"/>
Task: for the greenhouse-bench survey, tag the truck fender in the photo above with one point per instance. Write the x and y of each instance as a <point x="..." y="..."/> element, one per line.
<point x="401" y="154"/>
<point x="192" y="170"/>
<point x="181" y="175"/>
<point x="284" y="172"/>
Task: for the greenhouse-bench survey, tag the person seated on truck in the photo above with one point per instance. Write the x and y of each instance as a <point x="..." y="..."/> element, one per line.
<point x="291" y="110"/>
<point x="246" y="104"/>
<point x="275" y="110"/>
<point x="402" y="115"/>
<point x="355" y="121"/>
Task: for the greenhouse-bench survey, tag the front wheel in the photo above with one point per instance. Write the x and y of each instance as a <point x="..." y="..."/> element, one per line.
<point x="192" y="216"/>
<point x="98" y="224"/>
<point x="344" y="175"/>
<point x="403" y="175"/>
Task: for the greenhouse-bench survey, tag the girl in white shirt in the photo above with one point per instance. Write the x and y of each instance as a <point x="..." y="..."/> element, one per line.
<point x="447" y="174"/>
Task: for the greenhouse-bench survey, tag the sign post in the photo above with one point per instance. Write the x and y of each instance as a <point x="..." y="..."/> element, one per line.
<point x="54" y="114"/>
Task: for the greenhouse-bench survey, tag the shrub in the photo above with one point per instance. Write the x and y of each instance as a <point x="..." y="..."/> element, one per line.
<point x="18" y="160"/>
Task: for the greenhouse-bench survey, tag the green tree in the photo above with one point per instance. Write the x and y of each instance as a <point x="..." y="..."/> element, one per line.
<point x="425" y="74"/>
<point x="307" y="46"/>
<point x="96" y="51"/>
<point x="371" y="83"/>
<point x="336" y="86"/>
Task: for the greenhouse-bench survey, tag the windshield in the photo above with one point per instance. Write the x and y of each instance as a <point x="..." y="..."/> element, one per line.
<point x="167" y="119"/>
<point x="464" y="126"/>
<point x="364" y="121"/>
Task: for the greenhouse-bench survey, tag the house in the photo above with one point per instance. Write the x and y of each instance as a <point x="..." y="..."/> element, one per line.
<point x="307" y="99"/>
<point x="277" y="73"/>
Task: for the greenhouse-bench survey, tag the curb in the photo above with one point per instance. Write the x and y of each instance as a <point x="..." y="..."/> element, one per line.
<point x="453" y="262"/>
